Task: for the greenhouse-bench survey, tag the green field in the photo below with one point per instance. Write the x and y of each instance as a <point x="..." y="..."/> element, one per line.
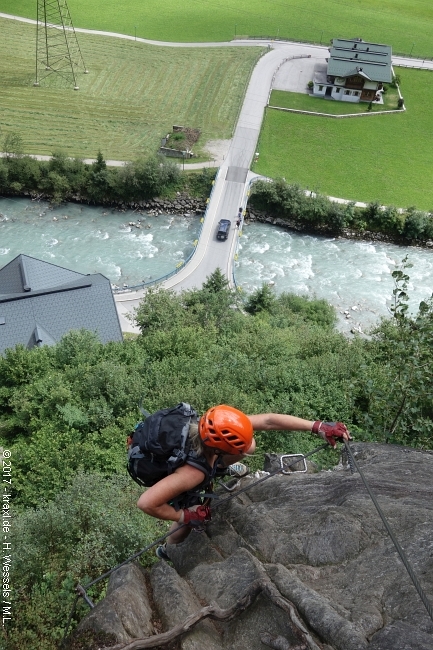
<point x="385" y="157"/>
<point x="407" y="25"/>
<point x="132" y="96"/>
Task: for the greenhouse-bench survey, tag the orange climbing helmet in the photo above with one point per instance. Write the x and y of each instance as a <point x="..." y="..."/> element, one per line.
<point x="224" y="427"/>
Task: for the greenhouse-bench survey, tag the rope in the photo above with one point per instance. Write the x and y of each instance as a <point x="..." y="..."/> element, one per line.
<point x="390" y="532"/>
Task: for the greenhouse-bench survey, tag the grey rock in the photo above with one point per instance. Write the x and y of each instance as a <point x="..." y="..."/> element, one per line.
<point x="225" y="582"/>
<point x="196" y="549"/>
<point x="126" y="611"/>
<point x="244" y="632"/>
<point x="320" y="541"/>
<point x="400" y="636"/>
<point x="175" y="601"/>
<point x="315" y="609"/>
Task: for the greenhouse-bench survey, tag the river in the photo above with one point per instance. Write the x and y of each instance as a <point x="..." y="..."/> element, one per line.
<point x="354" y="276"/>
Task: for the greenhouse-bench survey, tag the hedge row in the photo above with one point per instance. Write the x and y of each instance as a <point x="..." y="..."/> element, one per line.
<point x="314" y="211"/>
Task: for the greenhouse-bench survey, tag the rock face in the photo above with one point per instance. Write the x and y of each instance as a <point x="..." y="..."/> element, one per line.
<point x="311" y="540"/>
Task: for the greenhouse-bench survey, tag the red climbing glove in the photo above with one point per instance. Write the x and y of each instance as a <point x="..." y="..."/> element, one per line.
<point x="329" y="431"/>
<point x="196" y="516"/>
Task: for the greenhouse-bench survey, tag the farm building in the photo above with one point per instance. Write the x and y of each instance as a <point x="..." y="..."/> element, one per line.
<point x="355" y="72"/>
<point x="40" y="302"/>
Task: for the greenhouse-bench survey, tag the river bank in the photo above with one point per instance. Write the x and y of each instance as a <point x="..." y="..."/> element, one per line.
<point x="253" y="215"/>
<point x="184" y="204"/>
<point x="181" y="204"/>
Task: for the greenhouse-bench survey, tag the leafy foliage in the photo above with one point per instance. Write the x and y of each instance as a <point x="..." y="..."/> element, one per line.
<point x="65" y="411"/>
<point x="397" y="384"/>
<point x="87" y="529"/>
<point x="61" y="178"/>
<point x="263" y="299"/>
<point x="318" y="212"/>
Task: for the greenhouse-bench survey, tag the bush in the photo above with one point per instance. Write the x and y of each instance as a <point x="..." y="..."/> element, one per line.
<point x="86" y="530"/>
<point x="262" y="300"/>
<point x="415" y="224"/>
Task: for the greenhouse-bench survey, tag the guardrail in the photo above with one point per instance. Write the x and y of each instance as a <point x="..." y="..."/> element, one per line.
<point x="179" y="266"/>
<point x="239" y="233"/>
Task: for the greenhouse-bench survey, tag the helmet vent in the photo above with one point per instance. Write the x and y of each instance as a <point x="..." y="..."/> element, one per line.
<point x="227" y="429"/>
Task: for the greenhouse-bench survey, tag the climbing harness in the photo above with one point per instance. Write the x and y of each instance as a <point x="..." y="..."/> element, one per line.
<point x="283" y="469"/>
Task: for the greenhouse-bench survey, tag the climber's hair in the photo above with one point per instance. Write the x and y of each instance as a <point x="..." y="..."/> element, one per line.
<point x="196" y="441"/>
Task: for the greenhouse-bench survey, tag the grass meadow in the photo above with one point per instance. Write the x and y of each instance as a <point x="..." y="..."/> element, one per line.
<point x="407" y="25"/>
<point x="388" y="158"/>
<point x="132" y="96"/>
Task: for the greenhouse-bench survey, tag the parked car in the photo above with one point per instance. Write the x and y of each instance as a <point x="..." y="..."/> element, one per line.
<point x="223" y="229"/>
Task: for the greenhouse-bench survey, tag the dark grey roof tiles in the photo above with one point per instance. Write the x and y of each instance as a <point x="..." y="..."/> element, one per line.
<point x="58" y="301"/>
<point x="348" y="57"/>
<point x="40" y="275"/>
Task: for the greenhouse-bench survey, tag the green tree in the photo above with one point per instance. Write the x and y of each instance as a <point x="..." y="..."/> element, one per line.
<point x="159" y="310"/>
<point x="4" y="172"/>
<point x="415" y="224"/>
<point x="13" y="145"/>
<point x="215" y="282"/>
<point x="99" y="165"/>
<point x="262" y="300"/>
<point x="398" y="383"/>
<point x="84" y="531"/>
<point x="56" y="185"/>
<point x="24" y="170"/>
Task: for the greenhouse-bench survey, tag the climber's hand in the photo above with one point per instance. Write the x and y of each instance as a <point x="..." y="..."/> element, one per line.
<point x="330" y="431"/>
<point x="196" y="516"/>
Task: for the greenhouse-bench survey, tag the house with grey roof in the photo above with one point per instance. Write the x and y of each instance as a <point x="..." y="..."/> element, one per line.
<point x="40" y="302"/>
<point x="355" y="72"/>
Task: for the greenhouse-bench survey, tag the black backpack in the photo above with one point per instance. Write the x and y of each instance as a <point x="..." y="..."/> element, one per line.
<point x="160" y="444"/>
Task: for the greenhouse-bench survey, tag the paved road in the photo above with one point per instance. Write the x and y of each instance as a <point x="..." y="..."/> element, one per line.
<point x="231" y="185"/>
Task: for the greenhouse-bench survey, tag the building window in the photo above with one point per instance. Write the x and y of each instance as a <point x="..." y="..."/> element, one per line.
<point x="337" y="90"/>
<point x="347" y="92"/>
<point x="320" y="87"/>
<point x="356" y="93"/>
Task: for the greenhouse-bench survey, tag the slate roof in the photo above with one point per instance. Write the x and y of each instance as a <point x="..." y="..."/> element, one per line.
<point x="355" y="56"/>
<point x="40" y="302"/>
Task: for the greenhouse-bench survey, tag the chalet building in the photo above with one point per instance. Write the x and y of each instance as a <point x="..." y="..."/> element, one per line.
<point x="40" y="302"/>
<point x="355" y="72"/>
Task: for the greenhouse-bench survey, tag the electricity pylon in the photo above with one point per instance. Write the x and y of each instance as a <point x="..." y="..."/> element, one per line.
<point x="57" y="48"/>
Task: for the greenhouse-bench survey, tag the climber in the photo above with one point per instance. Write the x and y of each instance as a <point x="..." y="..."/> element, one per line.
<point x="221" y="438"/>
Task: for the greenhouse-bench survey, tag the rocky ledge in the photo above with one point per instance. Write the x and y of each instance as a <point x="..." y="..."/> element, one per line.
<point x="298" y="562"/>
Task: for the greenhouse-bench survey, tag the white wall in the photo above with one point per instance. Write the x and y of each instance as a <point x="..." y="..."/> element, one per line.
<point x="317" y="92"/>
<point x="343" y="97"/>
<point x="337" y="93"/>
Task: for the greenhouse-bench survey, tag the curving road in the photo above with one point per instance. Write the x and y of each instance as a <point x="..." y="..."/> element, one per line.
<point x="232" y="182"/>
<point x="284" y="65"/>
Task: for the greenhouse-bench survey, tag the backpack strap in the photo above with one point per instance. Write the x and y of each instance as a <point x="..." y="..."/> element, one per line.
<point x="179" y="455"/>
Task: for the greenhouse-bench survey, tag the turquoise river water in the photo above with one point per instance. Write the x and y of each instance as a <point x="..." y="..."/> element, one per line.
<point x="354" y="276"/>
